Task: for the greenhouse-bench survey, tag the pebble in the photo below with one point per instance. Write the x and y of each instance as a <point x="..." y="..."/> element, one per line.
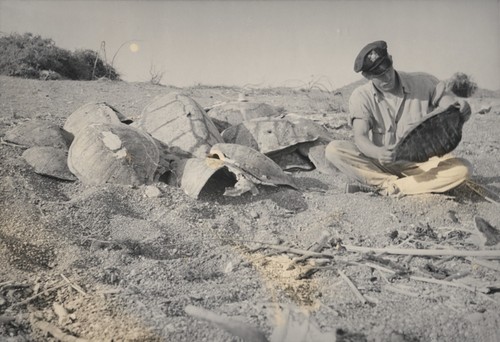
<point x="152" y="191"/>
<point x="254" y="214"/>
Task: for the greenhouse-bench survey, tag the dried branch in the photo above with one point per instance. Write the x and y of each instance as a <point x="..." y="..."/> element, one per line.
<point x="27" y="300"/>
<point x="430" y="280"/>
<point x="315" y="247"/>
<point x="352" y="287"/>
<point x="76" y="287"/>
<point x="298" y="251"/>
<point x="489" y="254"/>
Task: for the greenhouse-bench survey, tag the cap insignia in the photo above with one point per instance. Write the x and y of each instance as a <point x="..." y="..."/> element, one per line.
<point x="373" y="56"/>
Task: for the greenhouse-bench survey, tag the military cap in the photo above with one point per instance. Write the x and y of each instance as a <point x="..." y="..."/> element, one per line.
<point x="371" y="56"/>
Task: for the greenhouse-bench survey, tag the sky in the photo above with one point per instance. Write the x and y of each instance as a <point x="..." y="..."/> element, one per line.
<point x="269" y="43"/>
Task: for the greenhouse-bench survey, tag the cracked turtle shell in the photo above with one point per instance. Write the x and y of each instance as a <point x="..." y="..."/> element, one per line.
<point x="181" y="123"/>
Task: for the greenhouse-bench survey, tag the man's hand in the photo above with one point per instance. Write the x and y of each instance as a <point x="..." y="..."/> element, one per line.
<point x="464" y="108"/>
<point x="385" y="155"/>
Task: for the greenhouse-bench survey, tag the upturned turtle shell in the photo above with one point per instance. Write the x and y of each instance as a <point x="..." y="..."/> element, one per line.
<point x="38" y="133"/>
<point x="49" y="161"/>
<point x="253" y="164"/>
<point x="181" y="123"/>
<point x="91" y="113"/>
<point x="234" y="113"/>
<point x="272" y="136"/>
<point x="435" y="135"/>
<point x="113" y="153"/>
<point x="192" y="174"/>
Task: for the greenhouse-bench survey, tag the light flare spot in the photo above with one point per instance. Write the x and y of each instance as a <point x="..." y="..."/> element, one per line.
<point x="134" y="47"/>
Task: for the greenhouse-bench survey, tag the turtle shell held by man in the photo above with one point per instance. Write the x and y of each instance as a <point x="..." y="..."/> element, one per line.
<point x="113" y="153"/>
<point x="435" y="135"/>
<point x="91" y="113"/>
<point x="181" y="123"/>
<point x="234" y="113"/>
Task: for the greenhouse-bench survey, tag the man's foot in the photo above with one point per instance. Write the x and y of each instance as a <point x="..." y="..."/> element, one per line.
<point x="355" y="187"/>
<point x="392" y="190"/>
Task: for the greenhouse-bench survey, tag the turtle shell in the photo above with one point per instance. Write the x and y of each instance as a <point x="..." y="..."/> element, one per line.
<point x="181" y="123"/>
<point x="274" y="135"/>
<point x="192" y="174"/>
<point x="113" y="153"/>
<point x="38" y="133"/>
<point x="253" y="164"/>
<point x="234" y="113"/>
<point x="437" y="134"/>
<point x="90" y="113"/>
<point x="49" y="161"/>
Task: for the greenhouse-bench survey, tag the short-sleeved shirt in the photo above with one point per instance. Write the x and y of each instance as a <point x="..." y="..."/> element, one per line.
<point x="388" y="126"/>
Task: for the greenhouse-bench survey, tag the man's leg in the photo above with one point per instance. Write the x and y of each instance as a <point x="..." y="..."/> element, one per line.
<point x="438" y="174"/>
<point x="345" y="156"/>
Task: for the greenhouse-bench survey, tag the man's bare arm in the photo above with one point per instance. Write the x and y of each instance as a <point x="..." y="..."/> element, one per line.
<point x="361" y="130"/>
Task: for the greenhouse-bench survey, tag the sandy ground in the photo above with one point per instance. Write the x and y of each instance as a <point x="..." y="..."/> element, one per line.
<point x="110" y="263"/>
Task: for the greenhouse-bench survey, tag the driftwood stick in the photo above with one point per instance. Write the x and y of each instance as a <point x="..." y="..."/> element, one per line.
<point x="489" y="254"/>
<point x="76" y="287"/>
<point x="300" y="251"/>
<point x="430" y="280"/>
<point x="480" y="190"/>
<point x="315" y="247"/>
<point x="240" y="329"/>
<point x="401" y="291"/>
<point x="352" y="287"/>
<point x="57" y="333"/>
<point x="29" y="299"/>
<point x="14" y="286"/>
<point x="450" y="283"/>
<point x="3" y="142"/>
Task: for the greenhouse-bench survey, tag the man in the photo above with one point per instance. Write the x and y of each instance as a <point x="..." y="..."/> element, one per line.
<point x="381" y="112"/>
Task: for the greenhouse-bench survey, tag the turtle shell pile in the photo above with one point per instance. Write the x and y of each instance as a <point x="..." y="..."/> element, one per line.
<point x="176" y="140"/>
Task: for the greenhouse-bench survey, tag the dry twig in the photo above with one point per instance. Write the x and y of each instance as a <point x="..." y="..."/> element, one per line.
<point x="315" y="247"/>
<point x="76" y="287"/>
<point x="298" y="251"/>
<point x="3" y="142"/>
<point x="352" y="287"/>
<point x="29" y="299"/>
<point x="434" y="281"/>
<point x="489" y="254"/>
<point x="481" y="190"/>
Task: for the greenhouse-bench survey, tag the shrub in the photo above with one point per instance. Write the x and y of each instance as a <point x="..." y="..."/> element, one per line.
<point x="31" y="56"/>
